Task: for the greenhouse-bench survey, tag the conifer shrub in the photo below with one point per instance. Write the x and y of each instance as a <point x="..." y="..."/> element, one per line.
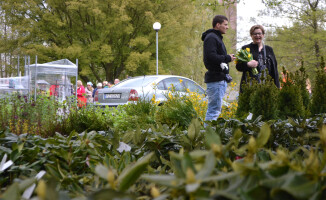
<point x="290" y="97"/>
<point x="318" y="102"/>
<point x="244" y="100"/>
<point x="300" y="78"/>
<point x="264" y="99"/>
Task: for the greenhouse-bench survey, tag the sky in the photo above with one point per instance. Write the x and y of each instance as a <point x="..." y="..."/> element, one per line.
<point x="248" y="16"/>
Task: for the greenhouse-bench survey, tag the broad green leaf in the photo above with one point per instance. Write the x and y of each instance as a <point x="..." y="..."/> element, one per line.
<point x="242" y="150"/>
<point x="192" y="131"/>
<point x="162" y="197"/>
<point x="237" y="136"/>
<point x="26" y="183"/>
<point x="167" y="180"/>
<point x="211" y="137"/>
<point x="279" y="194"/>
<point x="263" y="135"/>
<point x="263" y="156"/>
<point x="18" y="147"/>
<point x="244" y="168"/>
<point x="299" y="186"/>
<point x="302" y="191"/>
<point x="12" y="193"/>
<point x="198" y="154"/>
<point x="175" y="160"/>
<point x="11" y="137"/>
<point x="5" y="150"/>
<point x="220" y="194"/>
<point x="221" y="177"/>
<point x="111" y="194"/>
<point x="258" y="192"/>
<point x="15" y="154"/>
<point x="192" y="187"/>
<point x="208" y="167"/>
<point x="102" y="171"/>
<point x="187" y="162"/>
<point x="130" y="174"/>
<point x="295" y="184"/>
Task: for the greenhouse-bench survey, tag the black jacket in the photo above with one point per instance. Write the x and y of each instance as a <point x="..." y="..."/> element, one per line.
<point x="214" y="54"/>
<point x="270" y="56"/>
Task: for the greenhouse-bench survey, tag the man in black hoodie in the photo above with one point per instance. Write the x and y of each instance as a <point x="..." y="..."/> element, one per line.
<point x="216" y="62"/>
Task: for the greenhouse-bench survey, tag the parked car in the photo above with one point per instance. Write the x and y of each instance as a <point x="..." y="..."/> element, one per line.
<point x="131" y="89"/>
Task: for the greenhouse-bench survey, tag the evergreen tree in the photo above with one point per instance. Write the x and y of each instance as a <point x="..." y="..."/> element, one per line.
<point x="259" y="99"/>
<point x="243" y="108"/>
<point x="264" y="99"/>
<point x="301" y="79"/>
<point x="290" y="99"/>
<point x="318" y="104"/>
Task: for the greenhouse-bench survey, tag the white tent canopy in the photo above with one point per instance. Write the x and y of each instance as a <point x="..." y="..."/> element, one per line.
<point x="58" y="74"/>
<point x="64" y="67"/>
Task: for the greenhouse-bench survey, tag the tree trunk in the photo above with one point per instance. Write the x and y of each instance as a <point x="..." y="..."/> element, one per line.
<point x="92" y="66"/>
<point x="108" y="71"/>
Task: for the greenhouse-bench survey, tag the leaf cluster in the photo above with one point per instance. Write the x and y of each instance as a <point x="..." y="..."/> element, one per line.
<point x="255" y="158"/>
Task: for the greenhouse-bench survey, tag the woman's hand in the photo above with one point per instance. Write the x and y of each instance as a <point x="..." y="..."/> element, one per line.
<point x="252" y="64"/>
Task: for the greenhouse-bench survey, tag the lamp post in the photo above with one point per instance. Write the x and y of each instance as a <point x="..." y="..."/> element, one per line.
<point x="156" y="27"/>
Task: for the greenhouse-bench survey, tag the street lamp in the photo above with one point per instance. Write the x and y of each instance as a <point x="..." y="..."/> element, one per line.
<point x="156" y="27"/>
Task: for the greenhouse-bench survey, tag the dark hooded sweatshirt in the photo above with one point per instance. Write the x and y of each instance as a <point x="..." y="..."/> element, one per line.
<point x="214" y="54"/>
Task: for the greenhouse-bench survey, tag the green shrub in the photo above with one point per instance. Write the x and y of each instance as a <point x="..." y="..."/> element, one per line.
<point x="85" y="119"/>
<point x="290" y="98"/>
<point x="131" y="116"/>
<point x="259" y="99"/>
<point x="263" y="100"/>
<point x="318" y="103"/>
<point x="301" y="78"/>
<point x="290" y="102"/>
<point x="244" y="100"/>
<point x="177" y="110"/>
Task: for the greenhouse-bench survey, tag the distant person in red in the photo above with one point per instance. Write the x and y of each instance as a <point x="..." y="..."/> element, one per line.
<point x="81" y="94"/>
<point x="54" y="90"/>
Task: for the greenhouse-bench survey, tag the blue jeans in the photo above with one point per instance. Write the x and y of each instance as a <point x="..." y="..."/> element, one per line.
<point x="215" y="93"/>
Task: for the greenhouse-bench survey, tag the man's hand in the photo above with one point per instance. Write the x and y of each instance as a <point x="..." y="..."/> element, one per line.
<point x="232" y="57"/>
<point x="252" y="64"/>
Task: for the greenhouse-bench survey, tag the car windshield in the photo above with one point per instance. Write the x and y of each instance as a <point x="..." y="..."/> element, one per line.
<point x="137" y="82"/>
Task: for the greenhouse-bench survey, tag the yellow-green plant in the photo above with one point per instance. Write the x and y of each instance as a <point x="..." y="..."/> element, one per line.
<point x="199" y="103"/>
<point x="176" y="110"/>
<point x="229" y="111"/>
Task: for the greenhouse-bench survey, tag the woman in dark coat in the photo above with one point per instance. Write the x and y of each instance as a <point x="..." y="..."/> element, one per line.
<point x="263" y="57"/>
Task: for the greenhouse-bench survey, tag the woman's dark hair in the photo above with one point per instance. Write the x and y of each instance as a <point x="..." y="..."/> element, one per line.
<point x="219" y="19"/>
<point x="253" y="28"/>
